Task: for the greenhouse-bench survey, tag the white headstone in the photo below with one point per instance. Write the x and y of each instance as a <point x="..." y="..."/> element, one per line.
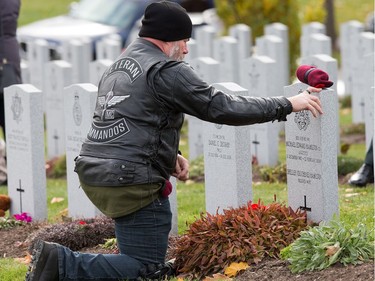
<point x="78" y="54"/>
<point x="242" y="33"/>
<point x="59" y="76"/>
<point x="206" y="68"/>
<point x="329" y="65"/>
<point x="226" y="52"/>
<point x="369" y="76"/>
<point x="79" y="101"/>
<point x="373" y="139"/>
<point x="37" y="56"/>
<point x="273" y="47"/>
<point x="365" y="46"/>
<point x="348" y="32"/>
<point x="174" y="206"/>
<point x="192" y="51"/>
<point x="204" y="37"/>
<point x="227" y="161"/>
<point x="108" y="48"/>
<point x="311" y="157"/>
<point x="97" y="69"/>
<point x="264" y="137"/>
<point x="313" y="27"/>
<point x="316" y="43"/>
<point x="281" y="30"/>
<point x="25" y="150"/>
<point x="25" y="72"/>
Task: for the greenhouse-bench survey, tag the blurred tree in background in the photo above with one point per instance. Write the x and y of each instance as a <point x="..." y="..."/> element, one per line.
<point x="258" y="13"/>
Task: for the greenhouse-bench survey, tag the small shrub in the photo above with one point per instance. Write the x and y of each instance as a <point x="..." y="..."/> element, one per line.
<point x="274" y="174"/>
<point x="322" y="246"/>
<point x="348" y="165"/>
<point x="6" y="223"/>
<point x="345" y="101"/>
<point x="56" y="167"/>
<point x="78" y="234"/>
<point x="244" y="234"/>
<point x="110" y="244"/>
<point x="354" y="128"/>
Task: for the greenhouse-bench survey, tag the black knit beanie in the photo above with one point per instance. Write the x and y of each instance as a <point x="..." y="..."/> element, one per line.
<point x="166" y="21"/>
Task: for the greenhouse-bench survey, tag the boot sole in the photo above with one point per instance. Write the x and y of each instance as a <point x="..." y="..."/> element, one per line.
<point x="37" y="251"/>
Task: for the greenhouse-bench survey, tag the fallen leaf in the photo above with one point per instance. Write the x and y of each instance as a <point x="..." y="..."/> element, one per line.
<point x="234" y="268"/>
<point x="57" y="200"/>
<point x="64" y="212"/>
<point x="351" y="195"/>
<point x="331" y="250"/>
<point x="24" y="260"/>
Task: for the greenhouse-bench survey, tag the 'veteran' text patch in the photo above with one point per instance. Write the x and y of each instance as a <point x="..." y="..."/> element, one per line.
<point x="127" y="65"/>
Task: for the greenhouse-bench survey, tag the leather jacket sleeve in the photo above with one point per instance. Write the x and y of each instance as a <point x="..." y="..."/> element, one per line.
<point x="177" y="86"/>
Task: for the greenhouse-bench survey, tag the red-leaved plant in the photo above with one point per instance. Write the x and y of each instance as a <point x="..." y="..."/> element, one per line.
<point x="244" y="234"/>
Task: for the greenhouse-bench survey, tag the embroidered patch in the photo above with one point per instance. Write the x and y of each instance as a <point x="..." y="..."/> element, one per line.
<point x="108" y="133"/>
<point x="108" y="101"/>
<point x="127" y="65"/>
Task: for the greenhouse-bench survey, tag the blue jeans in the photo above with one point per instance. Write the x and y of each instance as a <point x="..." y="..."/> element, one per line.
<point x="142" y="238"/>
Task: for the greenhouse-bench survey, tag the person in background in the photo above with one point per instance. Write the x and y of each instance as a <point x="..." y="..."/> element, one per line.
<point x="9" y="48"/>
<point x="365" y="174"/>
<point x="131" y="150"/>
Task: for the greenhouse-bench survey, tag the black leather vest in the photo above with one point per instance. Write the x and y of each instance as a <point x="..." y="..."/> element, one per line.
<point x="134" y="137"/>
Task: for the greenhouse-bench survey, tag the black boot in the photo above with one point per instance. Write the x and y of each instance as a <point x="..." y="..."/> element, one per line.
<point x="363" y="176"/>
<point x="157" y="271"/>
<point x="44" y="263"/>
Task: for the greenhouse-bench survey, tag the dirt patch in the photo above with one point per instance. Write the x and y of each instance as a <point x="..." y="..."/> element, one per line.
<point x="14" y="243"/>
<point x="277" y="270"/>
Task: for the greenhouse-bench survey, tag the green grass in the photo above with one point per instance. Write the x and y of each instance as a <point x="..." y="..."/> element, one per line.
<point x="357" y="205"/>
<point x="33" y="10"/>
<point x="11" y="270"/>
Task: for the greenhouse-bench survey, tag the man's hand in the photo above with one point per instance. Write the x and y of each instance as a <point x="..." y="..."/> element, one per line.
<point x="305" y="101"/>
<point x="181" y="171"/>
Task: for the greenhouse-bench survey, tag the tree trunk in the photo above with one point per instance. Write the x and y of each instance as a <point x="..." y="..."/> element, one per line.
<point x="330" y="22"/>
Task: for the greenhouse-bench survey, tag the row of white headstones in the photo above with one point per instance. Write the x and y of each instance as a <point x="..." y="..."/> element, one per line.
<point x="311" y="143"/>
